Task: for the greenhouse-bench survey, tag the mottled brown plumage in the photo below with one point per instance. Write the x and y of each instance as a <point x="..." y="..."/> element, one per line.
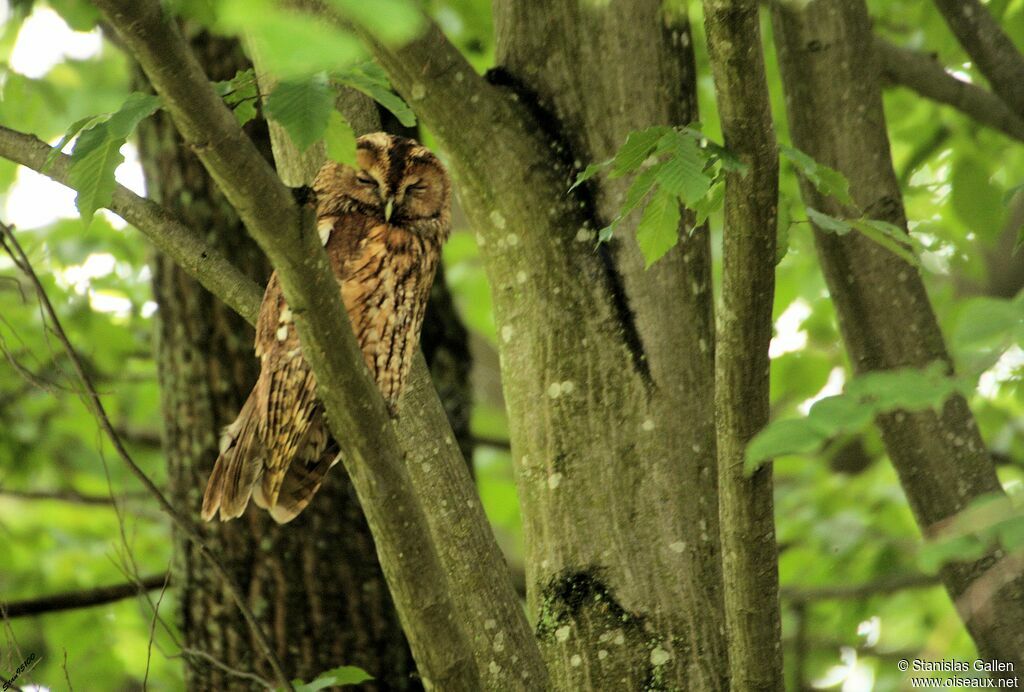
<point x="383" y="225"/>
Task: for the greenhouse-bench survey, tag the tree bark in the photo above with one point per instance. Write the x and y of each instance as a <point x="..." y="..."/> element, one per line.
<point x="989" y="47"/>
<point x="835" y="112"/>
<point x="607" y="369"/>
<point x="746" y="506"/>
<point x="316" y="583"/>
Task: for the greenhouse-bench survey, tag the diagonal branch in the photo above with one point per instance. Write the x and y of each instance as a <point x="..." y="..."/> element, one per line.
<point x="82" y="598"/>
<point x="92" y="399"/>
<point x="989" y="47"/>
<point x="928" y="77"/>
<point x="168" y="234"/>
<point x="371" y="450"/>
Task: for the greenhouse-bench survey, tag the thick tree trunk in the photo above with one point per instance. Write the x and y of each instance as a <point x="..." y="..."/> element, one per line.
<point x="835" y="112"/>
<point x="315" y="583"/>
<point x="607" y="369"/>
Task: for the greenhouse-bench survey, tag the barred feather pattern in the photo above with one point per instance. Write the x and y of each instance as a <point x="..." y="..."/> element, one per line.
<point x="383" y="226"/>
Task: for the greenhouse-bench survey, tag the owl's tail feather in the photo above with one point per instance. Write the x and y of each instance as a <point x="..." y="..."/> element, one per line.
<point x="238" y="468"/>
<point x="304" y="477"/>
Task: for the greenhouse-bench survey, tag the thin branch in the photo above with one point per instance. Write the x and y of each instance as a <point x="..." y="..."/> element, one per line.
<point x="152" y="628"/>
<point x="928" y="77"/>
<point x="184" y="246"/>
<point x="196" y="653"/>
<point x="854" y="592"/>
<point x="70" y="496"/>
<point x="989" y="47"/>
<point x="92" y="400"/>
<point x="749" y="548"/>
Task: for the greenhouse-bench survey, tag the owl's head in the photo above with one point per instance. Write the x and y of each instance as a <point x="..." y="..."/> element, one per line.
<point x="396" y="179"/>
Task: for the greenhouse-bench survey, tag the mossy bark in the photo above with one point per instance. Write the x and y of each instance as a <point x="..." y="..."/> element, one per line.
<point x="749" y="550"/>
<point x="607" y="369"/>
<point x="315" y="583"/>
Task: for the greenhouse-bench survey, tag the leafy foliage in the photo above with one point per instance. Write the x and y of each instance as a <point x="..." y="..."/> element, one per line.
<point x="867" y="396"/>
<point x="241" y="94"/>
<point x="680" y="166"/>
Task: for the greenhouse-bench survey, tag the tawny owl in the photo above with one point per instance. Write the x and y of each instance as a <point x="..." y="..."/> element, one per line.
<point x="382" y="225"/>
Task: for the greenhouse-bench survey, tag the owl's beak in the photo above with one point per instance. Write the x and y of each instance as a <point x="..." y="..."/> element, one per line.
<point x="389" y="207"/>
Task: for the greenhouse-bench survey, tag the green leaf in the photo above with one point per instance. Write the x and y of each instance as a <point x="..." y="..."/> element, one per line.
<point x="136" y="108"/>
<point x="934" y="554"/>
<point x="788" y="436"/>
<point x="302" y="108"/>
<point x="393" y="22"/>
<point x="709" y="203"/>
<point x="637" y="149"/>
<point x="589" y="172"/>
<point x="658" y="231"/>
<point x="829" y="224"/>
<point x="827" y="181"/>
<point x="340" y="140"/>
<point x="76" y="127"/>
<point x="987" y="323"/>
<point x="841" y="413"/>
<point x="371" y="80"/>
<point x="95" y="157"/>
<point x="291" y="43"/>
<point x="336" y="677"/>
<point x="683" y="174"/>
<point x="890" y="237"/>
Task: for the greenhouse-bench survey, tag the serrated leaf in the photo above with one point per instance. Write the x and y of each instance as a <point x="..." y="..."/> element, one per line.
<point x="302" y="108"/>
<point x="658" y="231"/>
<point x="76" y="127"/>
<point x="340" y="140"/>
<point x="245" y="111"/>
<point x="393" y="22"/>
<point x="683" y="174"/>
<point x="93" y="161"/>
<point x="827" y="181"/>
<point x="638" y="147"/>
<point x="242" y="93"/>
<point x="371" y="80"/>
<point x="829" y="224"/>
<point x="291" y="43"/>
<point x="888" y="236"/>
<point x="588" y="173"/>
<point x="136" y="108"/>
<point x="709" y="204"/>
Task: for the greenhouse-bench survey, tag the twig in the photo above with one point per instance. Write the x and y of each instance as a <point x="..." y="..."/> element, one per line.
<point x="92" y="399"/>
<point x="185" y="651"/>
<point x="71" y="496"/>
<point x="152" y="629"/>
<point x="67" y="676"/>
<point x="83" y="598"/>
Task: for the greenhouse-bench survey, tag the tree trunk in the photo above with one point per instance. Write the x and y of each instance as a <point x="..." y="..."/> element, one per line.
<point x="750" y="555"/>
<point x="607" y="368"/>
<point x="315" y="583"/>
<point x="834" y="103"/>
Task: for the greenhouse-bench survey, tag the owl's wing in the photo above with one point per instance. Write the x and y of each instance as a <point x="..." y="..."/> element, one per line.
<point x="304" y="477"/>
<point x="237" y="467"/>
